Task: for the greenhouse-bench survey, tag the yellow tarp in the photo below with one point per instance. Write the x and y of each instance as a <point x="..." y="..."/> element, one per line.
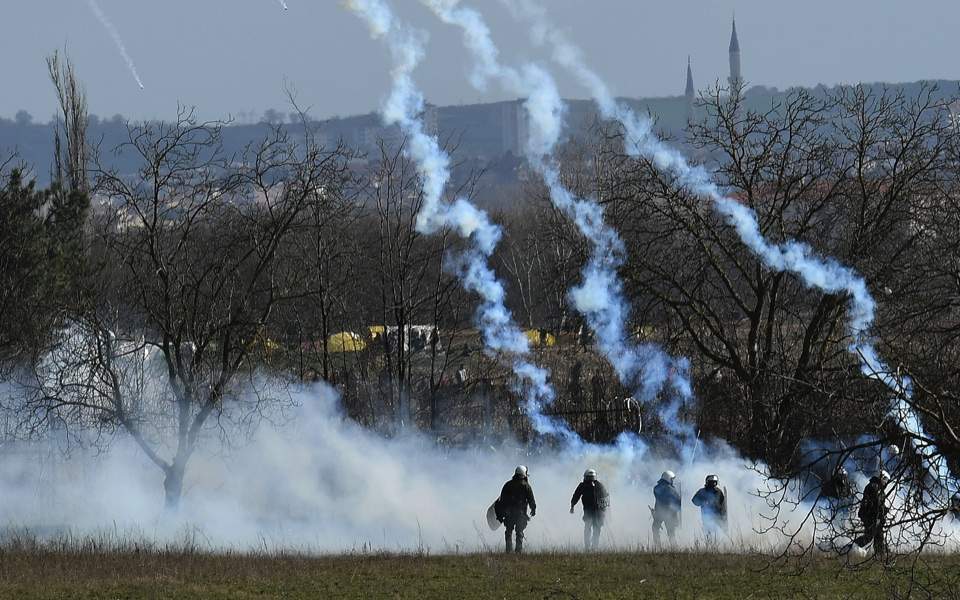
<point x="346" y="341"/>
<point x="534" y="336"/>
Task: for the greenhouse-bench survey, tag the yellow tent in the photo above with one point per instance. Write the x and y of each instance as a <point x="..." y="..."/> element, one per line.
<point x="533" y="335"/>
<point x="376" y="331"/>
<point x="346" y="341"/>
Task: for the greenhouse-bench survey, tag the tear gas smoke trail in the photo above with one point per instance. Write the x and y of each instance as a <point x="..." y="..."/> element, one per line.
<point x="116" y="39"/>
<point x="823" y="273"/>
<point x="600" y="298"/>
<point x="403" y="106"/>
<point x="323" y="483"/>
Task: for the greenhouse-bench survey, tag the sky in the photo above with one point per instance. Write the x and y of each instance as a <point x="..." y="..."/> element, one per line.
<point x="234" y="57"/>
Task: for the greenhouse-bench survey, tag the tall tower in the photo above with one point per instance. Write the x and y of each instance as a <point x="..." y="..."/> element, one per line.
<point x="736" y="79"/>
<point x="513" y="126"/>
<point x="689" y="92"/>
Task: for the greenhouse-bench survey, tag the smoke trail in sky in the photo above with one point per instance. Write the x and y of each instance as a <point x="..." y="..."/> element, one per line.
<point x="284" y="5"/>
<point x="116" y="39"/>
<point x="643" y="368"/>
<point x="823" y="273"/>
<point x="403" y="108"/>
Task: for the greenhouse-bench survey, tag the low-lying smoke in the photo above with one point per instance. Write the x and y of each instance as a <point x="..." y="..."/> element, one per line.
<point x="404" y="107"/>
<point x="822" y="273"/>
<point x="643" y="368"/>
<point x="322" y="483"/>
<point x="116" y="39"/>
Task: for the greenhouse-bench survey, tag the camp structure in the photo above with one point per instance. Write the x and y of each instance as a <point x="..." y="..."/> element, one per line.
<point x="346" y="341"/>
<point x="540" y="338"/>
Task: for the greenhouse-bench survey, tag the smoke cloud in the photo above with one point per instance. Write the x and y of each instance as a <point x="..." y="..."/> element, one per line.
<point x="116" y="39"/>
<point x="644" y="368"/>
<point x="322" y="483"/>
<point x="404" y="107"/>
<point x="822" y="273"/>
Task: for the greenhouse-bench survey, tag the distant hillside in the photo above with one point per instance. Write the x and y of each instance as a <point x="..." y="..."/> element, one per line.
<point x="487" y="136"/>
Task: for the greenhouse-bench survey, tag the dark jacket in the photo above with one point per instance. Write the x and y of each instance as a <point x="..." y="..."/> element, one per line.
<point x="668" y="500"/>
<point x="515" y="497"/>
<point x="594" y="495"/>
<point x="838" y="486"/>
<point x="712" y="502"/>
<point x="873" y="509"/>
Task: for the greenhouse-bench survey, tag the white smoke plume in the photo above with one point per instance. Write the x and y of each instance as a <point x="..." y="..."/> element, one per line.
<point x="404" y="107"/>
<point x="322" y="483"/>
<point x="822" y="273"/>
<point x="116" y="39"/>
<point x="643" y="368"/>
<point x="284" y="5"/>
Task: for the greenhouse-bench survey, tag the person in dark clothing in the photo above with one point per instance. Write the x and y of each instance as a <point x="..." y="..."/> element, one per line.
<point x="595" y="500"/>
<point x="713" y="507"/>
<point x="515" y="497"/>
<point x="839" y="485"/>
<point x="873" y="513"/>
<point x="838" y="490"/>
<point x="666" y="509"/>
<point x="955" y="507"/>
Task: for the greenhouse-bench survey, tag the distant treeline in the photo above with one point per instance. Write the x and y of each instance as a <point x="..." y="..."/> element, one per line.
<point x="485" y="135"/>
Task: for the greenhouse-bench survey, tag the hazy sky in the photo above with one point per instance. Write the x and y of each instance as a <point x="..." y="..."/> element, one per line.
<point x="232" y="56"/>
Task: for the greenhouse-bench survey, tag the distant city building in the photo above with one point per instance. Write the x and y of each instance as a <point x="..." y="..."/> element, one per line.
<point x="514" y="127"/>
<point x="736" y="78"/>
<point x="431" y="120"/>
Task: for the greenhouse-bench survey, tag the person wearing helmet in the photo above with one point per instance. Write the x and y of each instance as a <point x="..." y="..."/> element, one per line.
<point x="873" y="513"/>
<point x="713" y="507"/>
<point x="838" y="490"/>
<point x="515" y="497"/>
<point x="595" y="500"/>
<point x="666" y="509"/>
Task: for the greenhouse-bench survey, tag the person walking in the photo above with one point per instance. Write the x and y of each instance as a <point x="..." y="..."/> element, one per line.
<point x="595" y="501"/>
<point x="516" y="497"/>
<point x="666" y="508"/>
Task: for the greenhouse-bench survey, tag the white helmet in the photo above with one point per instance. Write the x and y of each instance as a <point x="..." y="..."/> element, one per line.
<point x="521" y="471"/>
<point x="712" y="479"/>
<point x="883" y="475"/>
<point x="589" y="474"/>
<point x="668" y="476"/>
<point x="893" y="450"/>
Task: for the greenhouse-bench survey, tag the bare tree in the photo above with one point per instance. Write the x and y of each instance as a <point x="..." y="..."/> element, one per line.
<point x="191" y="248"/>
<point x="70" y="133"/>
<point x="412" y="285"/>
<point x="864" y="175"/>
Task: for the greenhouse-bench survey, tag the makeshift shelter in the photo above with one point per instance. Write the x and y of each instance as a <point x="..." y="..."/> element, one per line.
<point x="346" y="341"/>
<point x="540" y="338"/>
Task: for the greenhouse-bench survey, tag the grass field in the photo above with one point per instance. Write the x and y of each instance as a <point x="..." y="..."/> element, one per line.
<point x="28" y="574"/>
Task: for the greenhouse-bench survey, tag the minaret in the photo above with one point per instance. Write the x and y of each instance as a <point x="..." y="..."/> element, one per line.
<point x="690" y="92"/>
<point x="736" y="79"/>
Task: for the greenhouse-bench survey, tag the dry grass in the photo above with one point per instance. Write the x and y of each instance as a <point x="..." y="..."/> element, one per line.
<point x="89" y="571"/>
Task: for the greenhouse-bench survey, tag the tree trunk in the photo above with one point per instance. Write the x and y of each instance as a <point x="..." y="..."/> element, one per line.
<point x="173" y="485"/>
